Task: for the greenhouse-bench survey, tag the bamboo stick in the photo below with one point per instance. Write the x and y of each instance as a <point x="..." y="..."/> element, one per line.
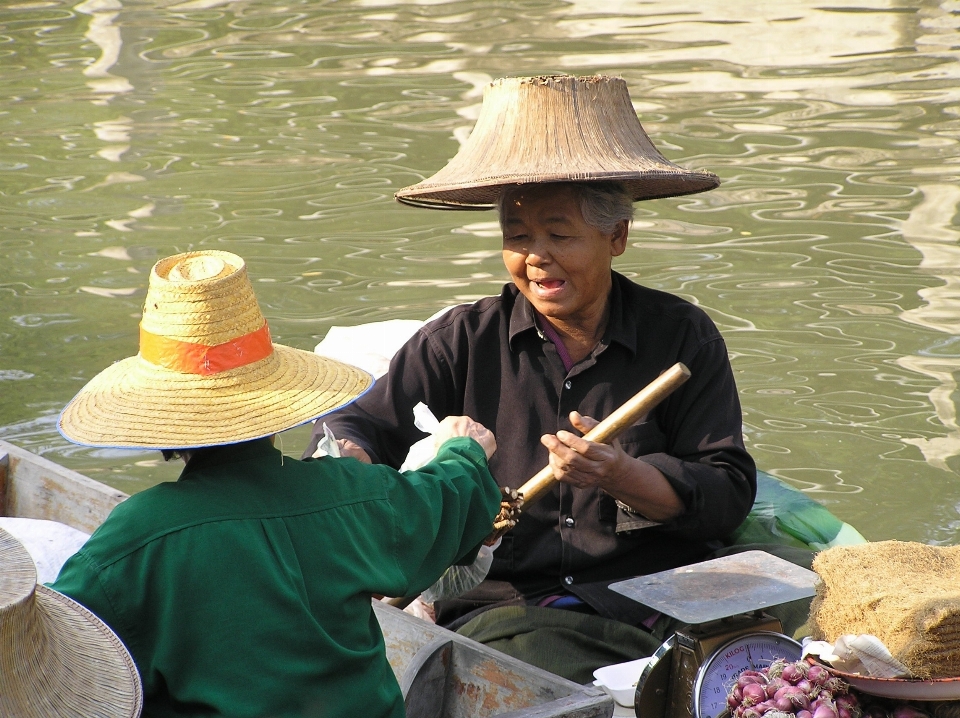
<point x="611" y="427"/>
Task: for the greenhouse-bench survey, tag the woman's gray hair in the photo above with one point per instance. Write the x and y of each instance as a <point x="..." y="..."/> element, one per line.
<point x="603" y="205"/>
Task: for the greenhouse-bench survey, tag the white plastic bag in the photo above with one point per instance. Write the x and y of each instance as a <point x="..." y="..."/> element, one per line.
<point x="456" y="580"/>
<point x="424" y="451"/>
<point x="327" y="446"/>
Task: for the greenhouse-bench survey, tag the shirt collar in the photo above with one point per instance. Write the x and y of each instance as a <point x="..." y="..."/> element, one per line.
<point x="230" y="454"/>
<point x="522" y="317"/>
<point x="621" y="327"/>
<point x="623" y="324"/>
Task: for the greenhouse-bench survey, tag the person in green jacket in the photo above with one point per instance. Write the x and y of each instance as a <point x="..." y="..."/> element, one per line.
<point x="244" y="588"/>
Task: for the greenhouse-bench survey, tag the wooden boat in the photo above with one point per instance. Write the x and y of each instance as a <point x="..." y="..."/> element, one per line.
<point x="35" y="488"/>
<point x="441" y="674"/>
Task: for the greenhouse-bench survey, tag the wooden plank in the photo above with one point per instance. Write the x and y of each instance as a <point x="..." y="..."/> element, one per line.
<point x="40" y="489"/>
<point x="4" y="465"/>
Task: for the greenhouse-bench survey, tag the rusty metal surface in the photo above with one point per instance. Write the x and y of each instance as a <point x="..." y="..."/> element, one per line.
<point x="439" y="670"/>
<point x="425" y="684"/>
<point x="722" y="587"/>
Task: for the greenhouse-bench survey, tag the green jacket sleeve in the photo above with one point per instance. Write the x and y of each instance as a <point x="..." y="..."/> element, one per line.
<point x="441" y="513"/>
<point x="80" y="580"/>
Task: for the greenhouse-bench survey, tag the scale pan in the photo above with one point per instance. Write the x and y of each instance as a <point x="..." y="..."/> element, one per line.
<point x="908" y="689"/>
<point x="721" y="587"/>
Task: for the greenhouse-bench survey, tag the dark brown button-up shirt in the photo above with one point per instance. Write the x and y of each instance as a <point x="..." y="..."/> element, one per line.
<point x="490" y="362"/>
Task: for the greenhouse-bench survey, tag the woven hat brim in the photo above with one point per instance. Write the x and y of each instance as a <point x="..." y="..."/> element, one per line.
<point x="137" y="405"/>
<point x="554" y="128"/>
<point x="483" y="194"/>
<point x="86" y="671"/>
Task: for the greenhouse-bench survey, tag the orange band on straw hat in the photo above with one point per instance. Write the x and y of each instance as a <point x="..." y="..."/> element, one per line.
<point x="201" y="359"/>
<point x="204" y="349"/>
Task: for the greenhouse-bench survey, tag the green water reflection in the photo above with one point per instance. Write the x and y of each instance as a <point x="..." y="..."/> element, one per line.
<point x="133" y="129"/>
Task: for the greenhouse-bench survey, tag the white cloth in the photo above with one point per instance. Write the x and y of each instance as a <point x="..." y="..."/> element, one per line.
<point x="49" y="543"/>
<point x="371" y="346"/>
<point x="864" y="654"/>
<point x="368" y="346"/>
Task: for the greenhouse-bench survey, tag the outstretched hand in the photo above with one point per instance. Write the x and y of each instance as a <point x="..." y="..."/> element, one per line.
<point x="353" y="451"/>
<point x="465" y="426"/>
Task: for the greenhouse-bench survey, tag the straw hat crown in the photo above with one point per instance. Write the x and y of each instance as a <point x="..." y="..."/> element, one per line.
<point x="56" y="657"/>
<point x="554" y="129"/>
<point x="207" y="372"/>
<point x="204" y="298"/>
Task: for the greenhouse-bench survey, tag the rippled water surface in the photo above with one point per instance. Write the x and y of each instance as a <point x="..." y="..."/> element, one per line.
<point x="134" y="129"/>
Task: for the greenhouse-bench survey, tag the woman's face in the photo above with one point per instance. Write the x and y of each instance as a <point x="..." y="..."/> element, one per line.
<point x="558" y="262"/>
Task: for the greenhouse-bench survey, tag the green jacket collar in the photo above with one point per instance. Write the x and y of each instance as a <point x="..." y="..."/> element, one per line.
<point x="245" y="451"/>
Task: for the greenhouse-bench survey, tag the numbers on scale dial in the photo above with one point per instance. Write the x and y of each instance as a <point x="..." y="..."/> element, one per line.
<point x="725" y="666"/>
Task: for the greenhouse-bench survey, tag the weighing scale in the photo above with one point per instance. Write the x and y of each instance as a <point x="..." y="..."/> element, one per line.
<point x="722" y="603"/>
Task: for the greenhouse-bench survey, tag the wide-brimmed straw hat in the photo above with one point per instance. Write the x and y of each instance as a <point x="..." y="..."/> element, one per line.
<point x="554" y="129"/>
<point x="207" y="372"/>
<point x="57" y="659"/>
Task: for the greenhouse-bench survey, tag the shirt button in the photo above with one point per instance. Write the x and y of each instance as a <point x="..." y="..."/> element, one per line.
<point x="567" y="384"/>
<point x="568" y="580"/>
<point x="569" y="521"/>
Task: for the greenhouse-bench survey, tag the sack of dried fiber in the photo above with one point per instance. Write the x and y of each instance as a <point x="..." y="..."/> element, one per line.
<point x="906" y="594"/>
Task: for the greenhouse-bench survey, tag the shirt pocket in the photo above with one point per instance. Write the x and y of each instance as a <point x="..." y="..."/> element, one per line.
<point x="618" y="519"/>
<point x="642" y="439"/>
<point x="608" y="509"/>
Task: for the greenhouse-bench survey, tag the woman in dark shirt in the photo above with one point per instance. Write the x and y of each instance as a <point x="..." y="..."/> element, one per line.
<point x="564" y="344"/>
<point x="567" y="341"/>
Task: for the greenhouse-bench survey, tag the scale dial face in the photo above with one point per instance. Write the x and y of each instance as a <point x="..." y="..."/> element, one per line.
<point x="718" y="673"/>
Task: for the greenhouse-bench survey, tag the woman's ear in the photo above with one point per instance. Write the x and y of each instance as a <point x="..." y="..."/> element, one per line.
<point x="618" y="240"/>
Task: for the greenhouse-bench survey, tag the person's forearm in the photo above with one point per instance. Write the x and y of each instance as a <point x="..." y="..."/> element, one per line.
<point x="717" y="491"/>
<point x="644" y="489"/>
